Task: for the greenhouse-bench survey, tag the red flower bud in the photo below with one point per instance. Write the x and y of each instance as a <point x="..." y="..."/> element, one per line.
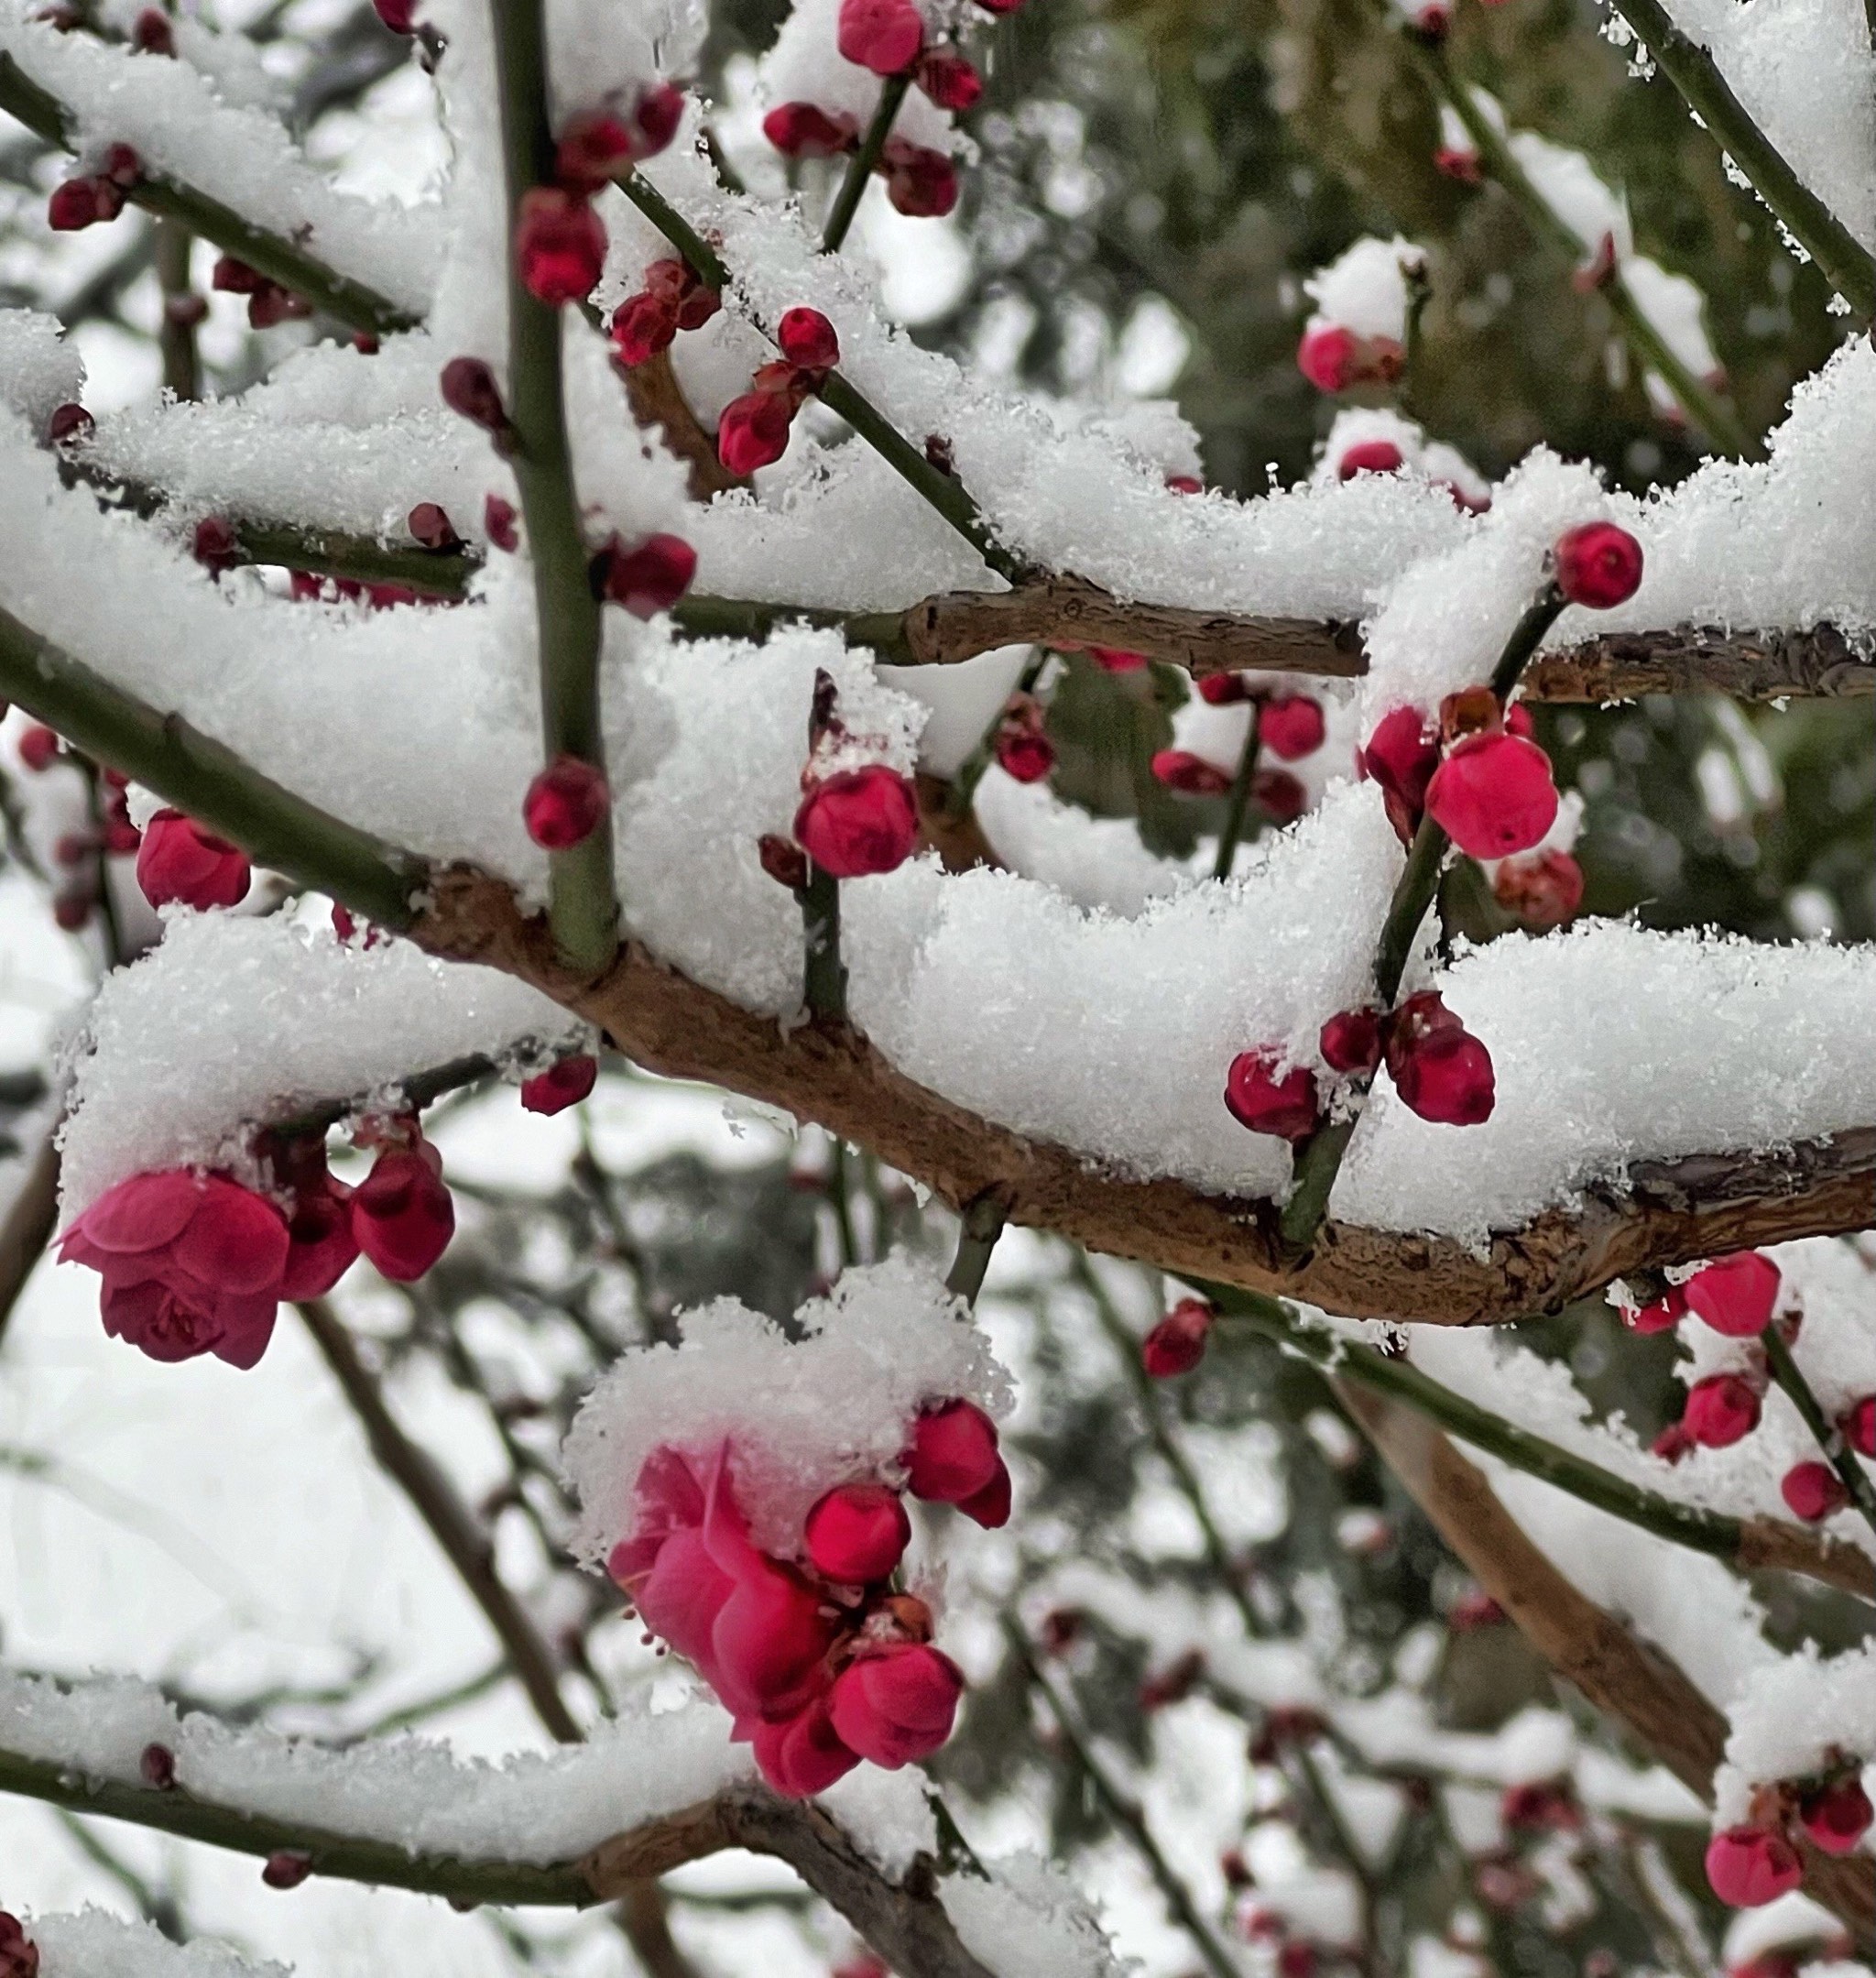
<point x="659" y="112"/>
<point x="898" y="1706"/>
<point x="783" y="860"/>
<point x="807" y="340"/>
<point x="157" y="1768"/>
<point x="80" y="203"/>
<point x="1224" y="690"/>
<point x="1184" y="484"/>
<point x="642" y="325"/>
<point x="1291" y="727"/>
<point x="1735" y="1294"/>
<point x="1117" y="659"/>
<point x="1598" y="564"/>
<point x="805" y="130"/>
<point x="214" y="544"/>
<point x="990" y="1506"/>
<point x="1370" y="456"/>
<point x="649" y="578"/>
<point x="752" y="431"/>
<point x="1191" y="775"/>
<point x="1721" y="1410"/>
<point x="19" y="1955"/>
<point x="857" y="1534"/>
<point x="1177" y="1343"/>
<point x="1749" y="1866"/>
<point x="402" y="1216"/>
<point x="1024" y="752"/>
<point x="591" y="149"/>
<point x="1812" y="1492"/>
<point x="1459" y="163"/>
<point x="565" y="804"/>
<point x="1257" y="1097"/>
<point x="1493" y="796"/>
<point x="920" y="183"/>
<point x="559" y="246"/>
<point x="469" y="388"/>
<point x="398" y="16"/>
<point x="954" y="1453"/>
<point x="884" y="35"/>
<point x="1858" y="1425"/>
<point x="562" y="1084"/>
<point x="151" y="34"/>
<point x="1442" y="1072"/>
<point x="498" y="522"/>
<point x="949" y="80"/>
<point x="180" y="862"/>
<point x="1542" y="891"/>
<point x="1401" y="757"/>
<point x="1351" y="1042"/>
<point x="1333" y="358"/>
<point x="40" y="748"/>
<point x="858" y="822"/>
<point x="1836" y="1816"/>
<point x="286" y="1868"/>
<point x="431" y="526"/>
<point x="1279" y="795"/>
<point x="231" y="277"/>
<point x="1667" y="1311"/>
<point x="69" y="423"/>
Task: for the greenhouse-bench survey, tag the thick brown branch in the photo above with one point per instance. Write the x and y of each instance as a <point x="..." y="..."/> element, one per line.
<point x="831" y="1075"/>
<point x="1621" y="1675"/>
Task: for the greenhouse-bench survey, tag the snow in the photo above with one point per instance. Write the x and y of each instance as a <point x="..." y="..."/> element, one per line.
<point x="1097" y="862"/>
<point x="1027" y="1920"/>
<point x="38" y="369"/>
<point x="93" y="1945"/>
<point x="836" y="1400"/>
<point x="532" y="1808"/>
<point x="1365" y="288"/>
<point x="1793" y="1718"/>
<point x="233" y="1019"/>
<point x="888" y="1815"/>
<point x="803" y="65"/>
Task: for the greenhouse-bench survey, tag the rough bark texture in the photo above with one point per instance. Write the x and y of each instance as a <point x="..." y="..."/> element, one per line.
<point x="1766" y="1542"/>
<point x="833" y="1075"/>
<point x="1620" y="1674"/>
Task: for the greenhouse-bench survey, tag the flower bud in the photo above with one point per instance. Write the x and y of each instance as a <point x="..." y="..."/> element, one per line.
<point x="1812" y="1492"/>
<point x="1748" y="1866"/>
<point x="402" y="1215"/>
<point x="949" y="80"/>
<point x="752" y="431"/>
<point x="805" y="130"/>
<point x="1598" y="564"/>
<point x="498" y="522"/>
<point x="857" y="1534"/>
<point x="920" y="183"/>
<point x="954" y="1453"/>
<point x="70" y="424"/>
<point x="1258" y="1098"/>
<point x="469" y="388"/>
<point x="559" y="246"/>
<point x="1736" y="1295"/>
<point x="1721" y="1410"/>
<point x="562" y="1084"/>
<point x="566" y="803"/>
<point x="590" y="149"/>
<point x="1493" y="796"/>
<point x="1291" y="727"/>
<point x="1540" y="890"/>
<point x="1189" y="775"/>
<point x="1370" y="456"/>
<point x="859" y="822"/>
<point x="807" y="340"/>
<point x="1836" y="1816"/>
<point x="884" y="35"/>
<point x="180" y="862"/>
<point x="642" y="325"/>
<point x="1351" y="1042"/>
<point x="648" y="579"/>
<point x="1177" y="1343"/>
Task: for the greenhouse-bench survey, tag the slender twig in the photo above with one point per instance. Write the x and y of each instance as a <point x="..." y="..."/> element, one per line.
<point x="1703" y="406"/>
<point x="159" y="1905"/>
<point x="978" y="1228"/>
<point x="1847" y="266"/>
<point x="279" y="259"/>
<point x="859" y="166"/>
<point x="176" y="337"/>
<point x="824" y="976"/>
<point x="583" y="907"/>
<point x="165" y="754"/>
<point x="972" y="770"/>
<point x="1238" y="805"/>
<point x="1842" y="1459"/>
<point x="1320" y="1159"/>
<point x="1738" y="1541"/>
<point x="946" y="494"/>
<point x="28" y="1226"/>
<point x="1121" y="1808"/>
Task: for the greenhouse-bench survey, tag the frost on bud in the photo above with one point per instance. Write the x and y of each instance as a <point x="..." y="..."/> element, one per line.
<point x="1333" y="358"/>
<point x="648" y="579"/>
<point x="1402" y="756"/>
<point x="498" y="522"/>
<point x="1370" y="456"/>
<point x="1859" y="1426"/>
<point x="566" y="803"/>
<point x="562" y="1084"/>
<point x="70" y="423"/>
<point x="1259" y="1098"/>
<point x="805" y="130"/>
<point x="752" y="431"/>
<point x="1441" y="1070"/>
<point x="806" y="339"/>
<point x="20" y="1956"/>
<point x="1493" y="796"/>
<point x="590" y="149"/>
<point x="884" y="35"/>
<point x="857" y="1534"/>
<point x="1189" y="775"/>
<point x="1836" y="1816"/>
<point x="859" y="822"/>
<point x="559" y="246"/>
<point x="920" y="183"/>
<point x="1721" y="1410"/>
<point x="949" y="80"/>
<point x="1291" y="727"/>
<point x="402" y="1215"/>
<point x="1598" y="564"/>
<point x="1540" y="892"/>
<point x="1812" y="1492"/>
<point x="1351" y="1042"/>
<point x="1735" y="1294"/>
<point x="180" y="862"/>
<point x="1177" y="1343"/>
<point x="470" y="389"/>
<point x="1666" y="1312"/>
<point x="1749" y="1866"/>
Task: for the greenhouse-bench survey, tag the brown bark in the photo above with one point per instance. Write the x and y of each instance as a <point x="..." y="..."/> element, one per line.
<point x="656" y="400"/>
<point x="830" y="1074"/>
<point x="1768" y="1542"/>
<point x="1620" y="1674"/>
<point x="28" y="1226"/>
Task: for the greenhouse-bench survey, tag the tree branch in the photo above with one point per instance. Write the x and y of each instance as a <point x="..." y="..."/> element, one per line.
<point x="656" y="400"/>
<point x="352" y="302"/>
<point x="859" y="166"/>
<point x="1622" y="1675"/>
<point x="30" y="1220"/>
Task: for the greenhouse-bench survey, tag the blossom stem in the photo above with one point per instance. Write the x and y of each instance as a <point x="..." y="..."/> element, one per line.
<point x="582" y="906"/>
<point x="1238" y="805"/>
<point x="1321" y="1158"/>
<point x="1739" y="1542"/>
<point x="978" y="1228"/>
<point x="1717" y="420"/>
<point x="1798" y="1390"/>
<point x="200" y="775"/>
<point x="943" y="491"/>
<point x="824" y="984"/>
<point x="972" y="770"/>
<point x="1847" y="266"/>
<point x="1121" y="1808"/>
<point x="351" y="301"/>
<point x="859" y="166"/>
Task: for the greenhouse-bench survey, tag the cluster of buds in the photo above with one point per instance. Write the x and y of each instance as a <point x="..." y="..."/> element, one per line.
<point x="753" y="429"/>
<point x="1021" y="746"/>
<point x="822" y="1660"/>
<point x="674" y="297"/>
<point x="1477" y="773"/>
<point x="855" y="819"/>
<point x="1758" y="1861"/>
<point x="1290" y="727"/>
<point x="94" y="196"/>
<point x="268" y="302"/>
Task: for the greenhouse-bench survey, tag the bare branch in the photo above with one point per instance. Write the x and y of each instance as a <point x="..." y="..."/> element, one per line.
<point x="28" y="1226"/>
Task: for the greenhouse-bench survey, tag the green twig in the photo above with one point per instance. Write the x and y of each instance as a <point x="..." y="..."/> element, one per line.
<point x="824" y="979"/>
<point x="979" y="1227"/>
<point x="169" y="198"/>
<point x="583" y="907"/>
<point x="1841" y="1458"/>
<point x="859" y="166"/>
<point x="1238" y="806"/>
<point x="972" y="770"/>
<point x="183" y="765"/>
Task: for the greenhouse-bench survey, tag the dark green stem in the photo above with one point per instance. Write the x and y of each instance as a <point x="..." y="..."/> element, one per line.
<point x="210" y="782"/>
<point x="421" y="1088"/>
<point x="1238" y="806"/>
<point x="738" y="618"/>
<point x="859" y="166"/>
<point x="1847" y="266"/>
<point x="1703" y="406"/>
<point x="1837" y="1452"/>
<point x="825" y="975"/>
<point x="583" y="909"/>
<point x="949" y="496"/>
<point x="978" y="1228"/>
<point x="170" y="199"/>
<point x="972" y="770"/>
